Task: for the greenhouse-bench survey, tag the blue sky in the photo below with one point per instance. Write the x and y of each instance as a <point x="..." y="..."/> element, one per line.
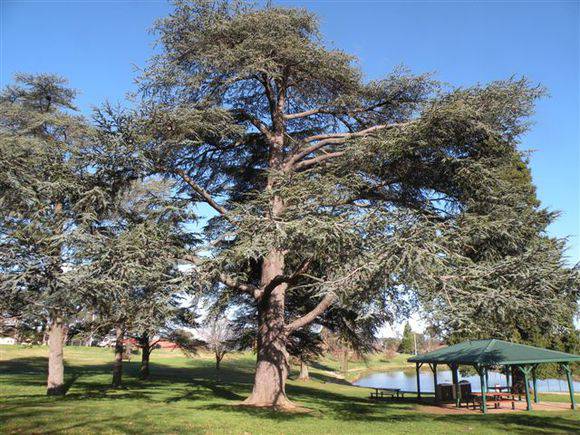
<point x="98" y="44"/>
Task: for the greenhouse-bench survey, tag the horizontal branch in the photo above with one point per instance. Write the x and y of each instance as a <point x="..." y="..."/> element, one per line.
<point x="303" y="114"/>
<point x="335" y="112"/>
<point x="335" y="139"/>
<point x="244" y="288"/>
<point x="314" y="161"/>
<point x="308" y="318"/>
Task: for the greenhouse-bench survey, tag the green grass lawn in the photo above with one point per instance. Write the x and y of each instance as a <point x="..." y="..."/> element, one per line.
<point x="186" y="396"/>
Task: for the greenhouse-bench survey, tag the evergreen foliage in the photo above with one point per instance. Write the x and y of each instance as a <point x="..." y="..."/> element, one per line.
<point x="377" y="194"/>
<point x="407" y="344"/>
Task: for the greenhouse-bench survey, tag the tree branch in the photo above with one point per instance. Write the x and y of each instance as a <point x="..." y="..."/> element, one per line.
<point x="285" y="279"/>
<point x="311" y="162"/>
<point x="262" y="128"/>
<point x="304" y="114"/>
<point x="308" y="318"/>
<point x="245" y="288"/>
<point x="335" y="139"/>
<point x="202" y="192"/>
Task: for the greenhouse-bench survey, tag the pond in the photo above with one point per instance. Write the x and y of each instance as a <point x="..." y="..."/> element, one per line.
<point x="405" y="380"/>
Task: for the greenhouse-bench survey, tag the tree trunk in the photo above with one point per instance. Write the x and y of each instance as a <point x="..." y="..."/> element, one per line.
<point x="304" y="375"/>
<point x="344" y="361"/>
<point x="55" y="382"/>
<point x="272" y="359"/>
<point x="518" y="381"/>
<point x="118" y="365"/>
<point x="145" y="354"/>
<point x="218" y="360"/>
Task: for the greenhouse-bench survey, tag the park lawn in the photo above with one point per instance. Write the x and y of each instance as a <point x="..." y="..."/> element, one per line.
<point x="186" y="396"/>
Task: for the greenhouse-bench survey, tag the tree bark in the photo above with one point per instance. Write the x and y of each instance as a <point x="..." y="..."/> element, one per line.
<point x="118" y="364"/>
<point x="272" y="359"/>
<point x="145" y="354"/>
<point x="518" y="381"/>
<point x="55" y="382"/>
<point x="304" y="375"/>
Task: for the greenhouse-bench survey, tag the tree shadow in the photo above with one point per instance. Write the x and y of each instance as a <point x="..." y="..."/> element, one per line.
<point x="324" y="396"/>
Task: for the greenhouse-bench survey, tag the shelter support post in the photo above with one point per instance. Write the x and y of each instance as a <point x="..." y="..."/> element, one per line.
<point x="535" y="383"/>
<point x="434" y="370"/>
<point x="483" y="384"/>
<point x="568" y="371"/>
<point x="417" y="367"/>
<point x="507" y="375"/>
<point x="526" y="372"/>
<point x="456" y="388"/>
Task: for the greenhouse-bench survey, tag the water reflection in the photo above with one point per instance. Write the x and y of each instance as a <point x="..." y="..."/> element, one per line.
<point x="405" y="380"/>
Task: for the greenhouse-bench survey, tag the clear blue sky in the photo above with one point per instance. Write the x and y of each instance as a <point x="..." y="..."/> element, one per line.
<point x="96" y="44"/>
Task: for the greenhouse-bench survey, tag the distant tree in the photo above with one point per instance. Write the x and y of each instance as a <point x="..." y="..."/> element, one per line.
<point x="187" y="343"/>
<point x="305" y="346"/>
<point x="407" y="344"/>
<point x="352" y="191"/>
<point x="48" y="198"/>
<point x="162" y="328"/>
<point x="220" y="338"/>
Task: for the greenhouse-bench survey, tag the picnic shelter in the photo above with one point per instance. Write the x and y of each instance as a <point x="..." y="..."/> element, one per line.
<point x="484" y="355"/>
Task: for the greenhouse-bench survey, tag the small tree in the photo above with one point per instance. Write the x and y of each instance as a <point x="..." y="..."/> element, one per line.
<point x="220" y="337"/>
<point x="161" y="328"/>
<point x="305" y="346"/>
<point x="407" y="344"/>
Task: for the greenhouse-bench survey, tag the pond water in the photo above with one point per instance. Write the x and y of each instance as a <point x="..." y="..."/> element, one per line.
<point x="405" y="380"/>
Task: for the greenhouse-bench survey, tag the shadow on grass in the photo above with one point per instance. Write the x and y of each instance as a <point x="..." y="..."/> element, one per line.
<point x="196" y="384"/>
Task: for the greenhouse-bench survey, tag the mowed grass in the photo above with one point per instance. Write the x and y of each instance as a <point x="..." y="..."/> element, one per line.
<point x="187" y="396"/>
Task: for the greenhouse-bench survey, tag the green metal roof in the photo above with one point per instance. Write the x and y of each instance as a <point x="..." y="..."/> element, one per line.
<point x="493" y="352"/>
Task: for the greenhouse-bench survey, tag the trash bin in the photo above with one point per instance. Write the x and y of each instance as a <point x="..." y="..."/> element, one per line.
<point x="465" y="388"/>
<point x="445" y="392"/>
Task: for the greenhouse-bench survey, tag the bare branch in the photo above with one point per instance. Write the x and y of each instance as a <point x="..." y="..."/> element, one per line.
<point x="304" y="114"/>
<point x="308" y="318"/>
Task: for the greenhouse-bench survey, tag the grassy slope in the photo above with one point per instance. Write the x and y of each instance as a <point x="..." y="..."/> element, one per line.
<point x="184" y="396"/>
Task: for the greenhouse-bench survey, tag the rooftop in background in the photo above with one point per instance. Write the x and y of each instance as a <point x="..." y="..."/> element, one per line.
<point x="493" y="352"/>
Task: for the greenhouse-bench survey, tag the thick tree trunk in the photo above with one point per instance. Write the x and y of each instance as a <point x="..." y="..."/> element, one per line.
<point x="272" y="360"/>
<point x="55" y="382"/>
<point x="118" y="365"/>
<point x="304" y="375"/>
<point x="145" y="354"/>
<point x="218" y="360"/>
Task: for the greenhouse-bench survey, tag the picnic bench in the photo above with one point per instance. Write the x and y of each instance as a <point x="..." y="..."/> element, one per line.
<point x="492" y="398"/>
<point x="384" y="393"/>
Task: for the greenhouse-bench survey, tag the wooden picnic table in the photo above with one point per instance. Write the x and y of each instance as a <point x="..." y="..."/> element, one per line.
<point x="382" y="393"/>
<point x="495" y="398"/>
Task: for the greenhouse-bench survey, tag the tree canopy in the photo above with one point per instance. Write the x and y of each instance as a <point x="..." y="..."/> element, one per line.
<point x="383" y="192"/>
